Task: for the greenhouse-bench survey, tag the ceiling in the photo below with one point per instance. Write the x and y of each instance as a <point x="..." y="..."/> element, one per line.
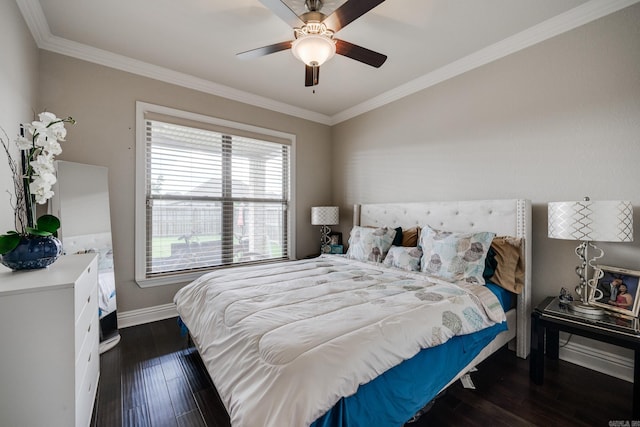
<point x="194" y="43"/>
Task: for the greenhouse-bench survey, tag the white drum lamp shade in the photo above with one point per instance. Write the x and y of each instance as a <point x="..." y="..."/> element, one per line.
<point x="590" y="221"/>
<point x="325" y="215"/>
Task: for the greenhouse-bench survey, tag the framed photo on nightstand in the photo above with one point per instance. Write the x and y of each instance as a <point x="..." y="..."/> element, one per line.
<point x="617" y="289"/>
<point x="335" y="238"/>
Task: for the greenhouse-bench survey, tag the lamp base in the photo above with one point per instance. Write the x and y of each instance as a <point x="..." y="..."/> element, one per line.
<point x="586" y="310"/>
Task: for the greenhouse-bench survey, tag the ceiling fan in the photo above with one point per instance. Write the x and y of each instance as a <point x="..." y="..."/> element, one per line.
<point x="314" y="43"/>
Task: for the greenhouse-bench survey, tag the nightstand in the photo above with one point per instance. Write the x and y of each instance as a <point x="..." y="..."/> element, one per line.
<point x="551" y="317"/>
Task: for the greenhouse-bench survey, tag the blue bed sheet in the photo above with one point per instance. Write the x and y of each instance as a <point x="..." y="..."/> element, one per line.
<point x="395" y="396"/>
<point x="507" y="299"/>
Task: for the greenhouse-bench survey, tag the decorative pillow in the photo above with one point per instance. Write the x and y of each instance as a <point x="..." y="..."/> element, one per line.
<point x="490" y="264"/>
<point x="405" y="258"/>
<point x="105" y="259"/>
<point x="509" y="272"/>
<point x="410" y="237"/>
<point x="397" y="240"/>
<point x="370" y="244"/>
<point x="455" y="257"/>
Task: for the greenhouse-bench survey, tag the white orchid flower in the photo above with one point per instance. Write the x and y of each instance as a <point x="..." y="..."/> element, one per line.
<point x="40" y="188"/>
<point x="41" y="185"/>
<point x="28" y="128"/>
<point x="41" y="194"/>
<point x="37" y="127"/>
<point x="41" y="139"/>
<point x="56" y="131"/>
<point x="43" y="164"/>
<point x="46" y="118"/>
<point x="23" y="143"/>
<point x="39" y="142"/>
<point x="45" y="179"/>
<point x="51" y="147"/>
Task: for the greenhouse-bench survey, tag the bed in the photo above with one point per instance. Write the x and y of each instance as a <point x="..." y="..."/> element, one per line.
<point x="282" y="350"/>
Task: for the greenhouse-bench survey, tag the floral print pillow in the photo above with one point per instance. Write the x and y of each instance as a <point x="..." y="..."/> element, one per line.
<point x="405" y="258"/>
<point x="370" y="244"/>
<point x="455" y="257"/>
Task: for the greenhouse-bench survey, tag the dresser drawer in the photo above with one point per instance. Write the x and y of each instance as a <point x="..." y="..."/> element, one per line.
<point x="88" y="354"/>
<point x="86" y="323"/>
<point x="85" y="287"/>
<point x="86" y="391"/>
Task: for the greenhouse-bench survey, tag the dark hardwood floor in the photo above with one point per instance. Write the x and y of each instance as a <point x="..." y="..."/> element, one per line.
<point x="153" y="378"/>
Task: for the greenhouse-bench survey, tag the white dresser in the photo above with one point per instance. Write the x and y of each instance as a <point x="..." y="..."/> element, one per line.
<point x="49" y="360"/>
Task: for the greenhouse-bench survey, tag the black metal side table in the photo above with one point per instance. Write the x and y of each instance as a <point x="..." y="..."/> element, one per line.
<point x="551" y="317"/>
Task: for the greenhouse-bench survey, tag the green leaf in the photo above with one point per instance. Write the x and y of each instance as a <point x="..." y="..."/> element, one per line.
<point x="48" y="223"/>
<point x="36" y="232"/>
<point x="8" y="242"/>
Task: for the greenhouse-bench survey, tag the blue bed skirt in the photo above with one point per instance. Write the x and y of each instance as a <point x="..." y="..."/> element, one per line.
<point x="395" y="396"/>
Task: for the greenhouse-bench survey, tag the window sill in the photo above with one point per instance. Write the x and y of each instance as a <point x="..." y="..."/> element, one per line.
<point x="186" y="278"/>
<point x="182" y="279"/>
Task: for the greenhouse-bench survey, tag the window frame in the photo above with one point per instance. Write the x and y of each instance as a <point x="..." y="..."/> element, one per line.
<point x="140" y="253"/>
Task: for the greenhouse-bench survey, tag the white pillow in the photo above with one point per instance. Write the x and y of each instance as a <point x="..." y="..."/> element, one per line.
<point x="455" y="257"/>
<point x="370" y="244"/>
<point x="404" y="257"/>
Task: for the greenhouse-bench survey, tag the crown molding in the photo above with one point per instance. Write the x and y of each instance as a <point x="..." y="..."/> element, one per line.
<point x="583" y="14"/>
<point x="37" y="23"/>
<point x="34" y="17"/>
<point x="123" y="63"/>
<point x="552" y="27"/>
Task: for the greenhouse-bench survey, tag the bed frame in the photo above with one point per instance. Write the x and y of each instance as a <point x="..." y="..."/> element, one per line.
<point x="503" y="217"/>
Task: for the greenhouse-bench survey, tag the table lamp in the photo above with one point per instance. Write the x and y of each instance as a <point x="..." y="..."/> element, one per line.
<point x="588" y="221"/>
<point x="325" y="216"/>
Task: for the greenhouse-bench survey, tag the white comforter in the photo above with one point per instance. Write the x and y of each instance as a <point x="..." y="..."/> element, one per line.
<point x="284" y="342"/>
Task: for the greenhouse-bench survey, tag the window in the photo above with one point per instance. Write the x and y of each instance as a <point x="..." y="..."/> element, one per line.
<point x="210" y="194"/>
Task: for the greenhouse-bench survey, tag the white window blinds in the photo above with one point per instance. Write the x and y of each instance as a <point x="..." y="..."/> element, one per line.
<point x="212" y="198"/>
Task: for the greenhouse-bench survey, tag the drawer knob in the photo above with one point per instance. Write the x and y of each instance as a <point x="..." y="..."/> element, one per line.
<point x="89" y="360"/>
<point x="89" y="328"/>
<point x="89" y="299"/>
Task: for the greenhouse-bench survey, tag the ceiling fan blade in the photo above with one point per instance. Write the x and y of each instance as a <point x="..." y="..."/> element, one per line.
<point x="311" y="75"/>
<point x="360" y="53"/>
<point x="349" y="12"/>
<point x="264" y="50"/>
<point x="283" y="12"/>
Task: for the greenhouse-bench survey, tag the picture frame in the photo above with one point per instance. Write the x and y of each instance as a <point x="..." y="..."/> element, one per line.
<point x="610" y="281"/>
<point x="335" y="238"/>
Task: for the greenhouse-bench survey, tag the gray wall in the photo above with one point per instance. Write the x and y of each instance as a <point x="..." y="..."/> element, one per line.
<point x="557" y="121"/>
<point x="102" y="100"/>
<point x="19" y="89"/>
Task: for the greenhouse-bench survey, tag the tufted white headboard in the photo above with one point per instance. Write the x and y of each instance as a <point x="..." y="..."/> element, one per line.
<point x="85" y="242"/>
<point x="504" y="217"/>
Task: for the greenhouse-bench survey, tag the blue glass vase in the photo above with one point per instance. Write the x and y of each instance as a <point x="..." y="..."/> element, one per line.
<point x="33" y="252"/>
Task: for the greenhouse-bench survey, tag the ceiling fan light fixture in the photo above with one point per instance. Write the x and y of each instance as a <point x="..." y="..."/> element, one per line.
<point x="314" y="44"/>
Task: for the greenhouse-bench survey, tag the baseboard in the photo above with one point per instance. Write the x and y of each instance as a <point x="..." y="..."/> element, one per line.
<point x="602" y="361"/>
<point x="146" y="315"/>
